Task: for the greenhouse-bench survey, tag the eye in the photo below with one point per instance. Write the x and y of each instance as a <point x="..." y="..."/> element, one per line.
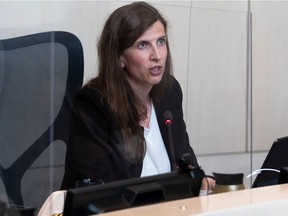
<point x="161" y="41"/>
<point x="142" y="44"/>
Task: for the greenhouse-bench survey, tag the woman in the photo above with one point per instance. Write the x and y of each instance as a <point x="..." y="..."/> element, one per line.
<point x="117" y="128"/>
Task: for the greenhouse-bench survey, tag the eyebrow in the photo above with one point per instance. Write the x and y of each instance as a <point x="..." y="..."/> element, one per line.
<point x="139" y="41"/>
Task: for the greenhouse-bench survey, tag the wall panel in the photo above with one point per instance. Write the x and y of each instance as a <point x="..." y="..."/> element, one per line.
<point x="216" y="87"/>
<point x="270" y="76"/>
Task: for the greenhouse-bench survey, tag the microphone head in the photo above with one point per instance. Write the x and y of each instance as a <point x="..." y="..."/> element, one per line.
<point x="167" y="117"/>
<point x="186" y="161"/>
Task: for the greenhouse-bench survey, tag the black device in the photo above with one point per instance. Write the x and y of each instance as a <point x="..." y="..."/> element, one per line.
<point x="134" y="192"/>
<point x="277" y="159"/>
<point x="283" y="176"/>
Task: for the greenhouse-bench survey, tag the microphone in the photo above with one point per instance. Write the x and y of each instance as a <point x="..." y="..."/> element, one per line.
<point x="168" y="122"/>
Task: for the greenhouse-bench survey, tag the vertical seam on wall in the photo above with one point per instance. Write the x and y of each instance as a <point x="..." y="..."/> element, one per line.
<point x="249" y="106"/>
<point x="188" y="62"/>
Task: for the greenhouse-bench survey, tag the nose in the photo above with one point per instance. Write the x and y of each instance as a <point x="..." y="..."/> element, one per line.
<point x="155" y="54"/>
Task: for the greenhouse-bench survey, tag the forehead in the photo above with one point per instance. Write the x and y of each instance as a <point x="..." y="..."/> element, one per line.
<point x="155" y="31"/>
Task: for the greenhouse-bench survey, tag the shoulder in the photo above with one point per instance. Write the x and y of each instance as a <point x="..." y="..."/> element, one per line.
<point x="172" y="98"/>
<point x="90" y="95"/>
<point x="90" y="99"/>
<point x="176" y="88"/>
<point x="174" y="93"/>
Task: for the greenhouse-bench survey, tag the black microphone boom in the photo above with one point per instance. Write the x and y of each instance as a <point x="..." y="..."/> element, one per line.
<point x="168" y="122"/>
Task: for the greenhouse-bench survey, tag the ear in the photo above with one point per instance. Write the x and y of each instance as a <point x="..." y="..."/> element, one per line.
<point x="122" y="61"/>
<point x="122" y="64"/>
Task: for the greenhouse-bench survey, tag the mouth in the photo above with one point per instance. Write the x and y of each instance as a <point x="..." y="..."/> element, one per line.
<point x="156" y="70"/>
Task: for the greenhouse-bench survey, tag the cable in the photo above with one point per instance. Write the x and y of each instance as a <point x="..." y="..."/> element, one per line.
<point x="258" y="171"/>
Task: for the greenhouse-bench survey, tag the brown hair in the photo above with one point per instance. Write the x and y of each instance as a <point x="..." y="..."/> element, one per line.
<point x="124" y="26"/>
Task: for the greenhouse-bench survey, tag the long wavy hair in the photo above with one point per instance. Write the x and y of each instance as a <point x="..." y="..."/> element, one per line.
<point x="124" y="26"/>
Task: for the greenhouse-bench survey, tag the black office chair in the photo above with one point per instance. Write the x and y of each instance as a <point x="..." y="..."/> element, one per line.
<point x="39" y="77"/>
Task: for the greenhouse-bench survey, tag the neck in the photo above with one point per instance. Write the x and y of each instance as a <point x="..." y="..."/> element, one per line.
<point x="146" y="122"/>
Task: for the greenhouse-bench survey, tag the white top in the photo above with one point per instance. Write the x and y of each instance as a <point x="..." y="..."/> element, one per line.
<point x="156" y="159"/>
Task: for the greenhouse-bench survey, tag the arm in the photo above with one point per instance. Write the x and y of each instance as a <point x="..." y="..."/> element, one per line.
<point x="94" y="148"/>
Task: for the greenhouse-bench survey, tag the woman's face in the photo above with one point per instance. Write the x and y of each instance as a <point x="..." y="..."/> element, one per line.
<point x="145" y="59"/>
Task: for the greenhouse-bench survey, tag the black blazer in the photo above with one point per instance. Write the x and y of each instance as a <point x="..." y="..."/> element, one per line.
<point x="94" y="150"/>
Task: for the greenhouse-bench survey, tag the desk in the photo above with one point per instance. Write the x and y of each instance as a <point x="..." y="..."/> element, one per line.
<point x="271" y="200"/>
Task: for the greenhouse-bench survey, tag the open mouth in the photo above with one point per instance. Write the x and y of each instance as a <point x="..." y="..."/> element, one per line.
<point x="155" y="70"/>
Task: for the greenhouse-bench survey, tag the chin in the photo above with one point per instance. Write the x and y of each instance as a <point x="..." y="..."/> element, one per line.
<point x="156" y="79"/>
